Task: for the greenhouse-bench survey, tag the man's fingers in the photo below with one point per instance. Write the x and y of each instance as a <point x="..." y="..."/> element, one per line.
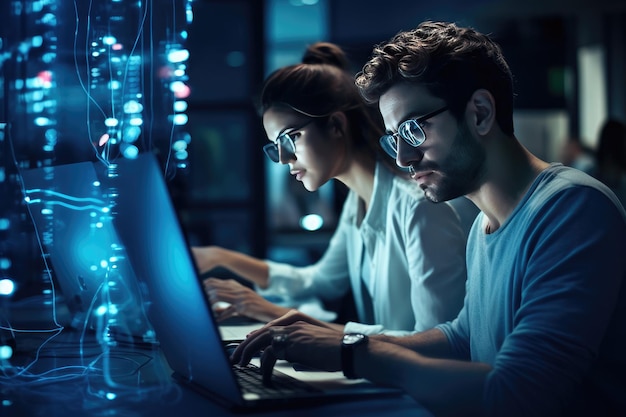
<point x="249" y="347"/>
<point x="268" y="360"/>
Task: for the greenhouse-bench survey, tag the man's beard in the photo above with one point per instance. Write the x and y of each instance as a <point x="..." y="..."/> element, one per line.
<point x="461" y="172"/>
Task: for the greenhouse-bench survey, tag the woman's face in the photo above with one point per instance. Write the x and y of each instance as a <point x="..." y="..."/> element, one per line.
<point x="317" y="155"/>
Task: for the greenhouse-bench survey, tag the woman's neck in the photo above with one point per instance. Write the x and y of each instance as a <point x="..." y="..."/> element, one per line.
<point x="359" y="177"/>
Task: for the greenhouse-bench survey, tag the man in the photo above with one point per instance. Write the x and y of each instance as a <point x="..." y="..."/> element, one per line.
<point x="543" y="327"/>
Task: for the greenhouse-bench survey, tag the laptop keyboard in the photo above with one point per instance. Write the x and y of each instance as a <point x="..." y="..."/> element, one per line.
<point x="251" y="381"/>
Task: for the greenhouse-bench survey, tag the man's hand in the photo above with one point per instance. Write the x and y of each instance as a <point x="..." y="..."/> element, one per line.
<point x="309" y="344"/>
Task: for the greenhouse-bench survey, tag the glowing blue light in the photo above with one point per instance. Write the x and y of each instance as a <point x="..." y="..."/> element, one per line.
<point x="311" y="222"/>
<point x="99" y="225"/>
<point x="180" y="119"/>
<point x="43" y="121"/>
<point x="48" y="57"/>
<point x="186" y="137"/>
<point x="180" y="105"/>
<point x="7" y="403"/>
<point x="111" y="395"/>
<point x="182" y="155"/>
<point x="115" y="85"/>
<point x="184" y="34"/>
<point x="51" y="135"/>
<point x="178" y="55"/>
<point x="111" y="122"/>
<point x="109" y="40"/>
<point x="5" y="224"/>
<point x="104" y="263"/>
<point x="133" y="106"/>
<point x="136" y="121"/>
<point x="101" y="311"/>
<point x="5" y="263"/>
<point x="36" y="41"/>
<point x="49" y="19"/>
<point x="6" y="352"/>
<point x="131" y="134"/>
<point x="96" y="183"/>
<point x="46" y="211"/>
<point x="7" y="286"/>
<point x="130" y="151"/>
<point x="177" y="86"/>
<point x="179" y="145"/>
<point x="189" y="14"/>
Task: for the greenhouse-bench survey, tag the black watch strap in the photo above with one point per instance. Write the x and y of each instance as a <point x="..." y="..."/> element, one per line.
<point x="349" y="342"/>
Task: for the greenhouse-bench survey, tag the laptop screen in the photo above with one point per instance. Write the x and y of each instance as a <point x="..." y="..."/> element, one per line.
<point x="157" y="248"/>
<point x="71" y="213"/>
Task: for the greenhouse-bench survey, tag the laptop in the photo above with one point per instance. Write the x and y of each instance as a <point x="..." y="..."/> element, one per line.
<point x="70" y="210"/>
<point x="180" y="312"/>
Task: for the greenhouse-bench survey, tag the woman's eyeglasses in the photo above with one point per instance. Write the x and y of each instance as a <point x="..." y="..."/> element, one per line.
<point x="284" y="141"/>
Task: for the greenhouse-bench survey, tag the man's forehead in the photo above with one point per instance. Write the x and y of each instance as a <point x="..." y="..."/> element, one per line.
<point x="404" y="100"/>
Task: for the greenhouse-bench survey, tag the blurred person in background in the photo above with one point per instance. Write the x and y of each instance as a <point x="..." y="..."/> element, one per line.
<point x="611" y="157"/>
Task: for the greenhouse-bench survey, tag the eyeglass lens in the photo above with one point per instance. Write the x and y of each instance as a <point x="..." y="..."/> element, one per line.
<point x="410" y="131"/>
<point x="287" y="148"/>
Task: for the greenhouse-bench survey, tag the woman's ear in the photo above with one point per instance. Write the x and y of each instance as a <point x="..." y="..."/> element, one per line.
<point x="338" y="123"/>
<point x="483" y="110"/>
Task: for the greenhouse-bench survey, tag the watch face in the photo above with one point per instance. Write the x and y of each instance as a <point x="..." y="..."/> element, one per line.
<point x="351" y="339"/>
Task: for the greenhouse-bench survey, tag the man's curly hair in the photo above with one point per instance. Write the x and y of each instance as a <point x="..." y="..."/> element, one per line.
<point x="450" y="61"/>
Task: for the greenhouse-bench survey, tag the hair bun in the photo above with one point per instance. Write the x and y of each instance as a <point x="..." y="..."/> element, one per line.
<point x="326" y="53"/>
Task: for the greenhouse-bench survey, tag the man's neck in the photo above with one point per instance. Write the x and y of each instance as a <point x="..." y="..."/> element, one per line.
<point x="511" y="171"/>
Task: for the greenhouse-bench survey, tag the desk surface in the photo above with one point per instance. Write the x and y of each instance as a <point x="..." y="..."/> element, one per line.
<point x="71" y="373"/>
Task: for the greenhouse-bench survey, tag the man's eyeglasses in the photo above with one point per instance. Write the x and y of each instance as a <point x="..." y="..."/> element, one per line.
<point x="410" y="131"/>
<point x="287" y="146"/>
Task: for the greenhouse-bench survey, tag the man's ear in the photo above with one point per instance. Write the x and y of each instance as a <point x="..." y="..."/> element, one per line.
<point x="483" y="110"/>
<point x="338" y="123"/>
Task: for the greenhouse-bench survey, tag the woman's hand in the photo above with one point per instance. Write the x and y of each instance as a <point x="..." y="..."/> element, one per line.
<point x="243" y="301"/>
<point x="206" y="257"/>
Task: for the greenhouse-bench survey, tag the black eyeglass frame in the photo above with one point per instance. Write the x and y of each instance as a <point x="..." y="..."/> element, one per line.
<point x="389" y="143"/>
<point x="285" y="141"/>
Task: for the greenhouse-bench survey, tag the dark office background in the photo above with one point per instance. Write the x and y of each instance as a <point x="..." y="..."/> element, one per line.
<point x="240" y="200"/>
<point x="568" y="57"/>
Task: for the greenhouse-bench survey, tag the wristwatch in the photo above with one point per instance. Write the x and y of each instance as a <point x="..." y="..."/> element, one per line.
<point x="348" y="343"/>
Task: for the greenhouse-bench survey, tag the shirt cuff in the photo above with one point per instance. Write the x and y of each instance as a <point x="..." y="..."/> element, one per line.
<point x="369" y="329"/>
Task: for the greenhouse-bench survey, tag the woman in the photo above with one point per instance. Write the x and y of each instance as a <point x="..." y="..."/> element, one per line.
<point x="401" y="255"/>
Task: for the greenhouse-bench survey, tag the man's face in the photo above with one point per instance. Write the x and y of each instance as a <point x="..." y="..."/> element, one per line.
<point x="450" y="162"/>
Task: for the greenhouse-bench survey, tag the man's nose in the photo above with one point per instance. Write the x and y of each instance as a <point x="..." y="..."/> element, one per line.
<point x="407" y="154"/>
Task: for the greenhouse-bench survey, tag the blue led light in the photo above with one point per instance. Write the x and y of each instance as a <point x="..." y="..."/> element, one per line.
<point x="7" y="286"/>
